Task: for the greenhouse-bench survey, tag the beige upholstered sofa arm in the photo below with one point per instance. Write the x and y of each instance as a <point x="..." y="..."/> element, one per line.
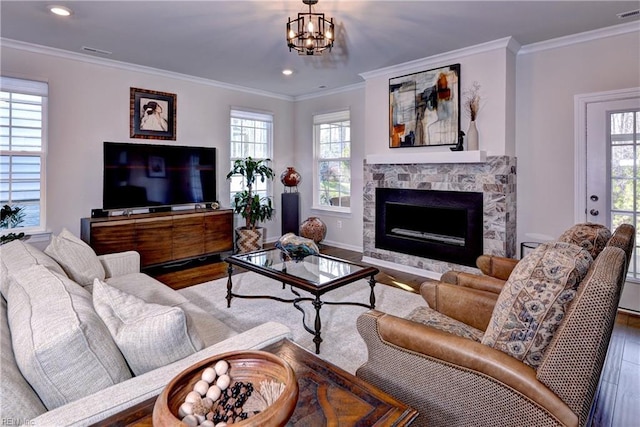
<point x="454" y="367"/>
<point x="120" y="263"/>
<point x="474" y="281"/>
<point x="495" y="266"/>
<point x="471" y="306"/>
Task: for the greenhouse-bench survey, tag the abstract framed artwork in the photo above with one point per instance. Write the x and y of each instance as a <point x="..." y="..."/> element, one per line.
<point x="424" y="108"/>
<point x="152" y="114"/>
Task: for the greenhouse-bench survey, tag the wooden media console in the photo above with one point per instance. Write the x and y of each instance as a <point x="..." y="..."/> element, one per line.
<point x="163" y="239"/>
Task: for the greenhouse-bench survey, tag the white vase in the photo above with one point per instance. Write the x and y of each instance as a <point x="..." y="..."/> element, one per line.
<point x="472" y="137"/>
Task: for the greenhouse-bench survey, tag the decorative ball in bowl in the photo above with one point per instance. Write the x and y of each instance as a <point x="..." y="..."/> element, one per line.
<point x="243" y="388"/>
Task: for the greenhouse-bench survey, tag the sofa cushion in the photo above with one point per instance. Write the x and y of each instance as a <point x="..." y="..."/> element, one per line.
<point x="18" y="255"/>
<point x="209" y="328"/>
<point x="590" y="236"/>
<point x="435" y="319"/>
<point x="149" y="335"/>
<point x="61" y="345"/>
<point x="534" y="300"/>
<point x="147" y="288"/>
<point x="19" y="401"/>
<point x="77" y="258"/>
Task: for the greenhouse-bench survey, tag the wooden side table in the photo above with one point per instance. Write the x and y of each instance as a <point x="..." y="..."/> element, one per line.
<point x="328" y="395"/>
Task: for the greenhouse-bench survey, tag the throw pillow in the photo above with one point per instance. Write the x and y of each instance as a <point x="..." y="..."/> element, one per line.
<point x="534" y="300"/>
<point x="78" y="259"/>
<point x="149" y="335"/>
<point x="592" y="237"/>
<point x="61" y="345"/>
<point x="18" y="255"/>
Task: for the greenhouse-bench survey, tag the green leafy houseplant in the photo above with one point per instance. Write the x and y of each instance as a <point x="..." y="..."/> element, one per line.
<point x="11" y="218"/>
<point x="250" y="206"/>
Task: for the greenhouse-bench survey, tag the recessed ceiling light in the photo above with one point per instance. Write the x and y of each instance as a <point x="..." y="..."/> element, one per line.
<point x="287" y="72"/>
<point x="60" y="10"/>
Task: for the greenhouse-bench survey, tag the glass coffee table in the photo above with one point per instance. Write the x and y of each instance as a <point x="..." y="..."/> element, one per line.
<point x="315" y="274"/>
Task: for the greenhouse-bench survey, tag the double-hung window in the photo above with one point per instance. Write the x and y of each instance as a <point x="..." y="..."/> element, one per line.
<point x="23" y="112"/>
<point x="332" y="152"/>
<point x="251" y="136"/>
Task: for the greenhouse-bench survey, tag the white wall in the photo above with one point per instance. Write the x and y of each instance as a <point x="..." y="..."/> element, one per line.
<point x="547" y="81"/>
<point x="492" y="65"/>
<point x="89" y="104"/>
<point x="527" y="112"/>
<point x="350" y="235"/>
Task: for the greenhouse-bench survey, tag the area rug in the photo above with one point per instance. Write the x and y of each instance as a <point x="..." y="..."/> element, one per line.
<point x="341" y="345"/>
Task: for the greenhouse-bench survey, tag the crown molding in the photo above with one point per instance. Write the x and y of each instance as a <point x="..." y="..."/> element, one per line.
<point x="572" y="39"/>
<point x="335" y="91"/>
<point x="65" y="54"/>
<point x="508" y="43"/>
<point x="446" y="57"/>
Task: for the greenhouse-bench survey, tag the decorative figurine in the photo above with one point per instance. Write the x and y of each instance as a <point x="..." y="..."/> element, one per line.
<point x="459" y="146"/>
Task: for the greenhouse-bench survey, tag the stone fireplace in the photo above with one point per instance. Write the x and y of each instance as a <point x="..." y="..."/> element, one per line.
<point x="439" y="216"/>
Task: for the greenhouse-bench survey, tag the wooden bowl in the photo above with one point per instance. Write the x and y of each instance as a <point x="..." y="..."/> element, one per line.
<point x="245" y="366"/>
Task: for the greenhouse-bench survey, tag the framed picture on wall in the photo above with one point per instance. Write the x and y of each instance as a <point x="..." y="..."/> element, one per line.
<point x="424" y="108"/>
<point x="152" y="114"/>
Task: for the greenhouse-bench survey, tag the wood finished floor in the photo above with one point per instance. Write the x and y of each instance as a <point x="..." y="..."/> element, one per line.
<point x="617" y="402"/>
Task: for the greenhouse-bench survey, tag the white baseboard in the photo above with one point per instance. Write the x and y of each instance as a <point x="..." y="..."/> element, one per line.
<point x="342" y="245"/>
<point x="630" y="298"/>
<point x="404" y="268"/>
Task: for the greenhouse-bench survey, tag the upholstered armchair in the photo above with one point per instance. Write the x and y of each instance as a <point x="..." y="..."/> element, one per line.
<point x="530" y="355"/>
<point x="496" y="270"/>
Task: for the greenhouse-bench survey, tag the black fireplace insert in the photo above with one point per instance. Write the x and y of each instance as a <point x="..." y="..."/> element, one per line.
<point x="440" y="225"/>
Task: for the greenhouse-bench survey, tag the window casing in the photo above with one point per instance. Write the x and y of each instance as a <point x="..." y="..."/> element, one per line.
<point x="23" y="142"/>
<point x="624" y="154"/>
<point x="251" y="136"/>
<point x="332" y="155"/>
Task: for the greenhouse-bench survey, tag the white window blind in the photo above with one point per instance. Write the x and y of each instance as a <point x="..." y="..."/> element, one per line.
<point x="23" y="108"/>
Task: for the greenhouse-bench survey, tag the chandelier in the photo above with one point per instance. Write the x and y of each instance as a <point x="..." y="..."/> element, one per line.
<point x="310" y="34"/>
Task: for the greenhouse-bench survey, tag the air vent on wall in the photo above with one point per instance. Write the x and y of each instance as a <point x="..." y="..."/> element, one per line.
<point x="94" y="50"/>
<point x="628" y="14"/>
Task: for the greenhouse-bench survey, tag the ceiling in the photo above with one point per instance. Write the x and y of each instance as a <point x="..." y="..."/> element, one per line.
<point x="242" y="42"/>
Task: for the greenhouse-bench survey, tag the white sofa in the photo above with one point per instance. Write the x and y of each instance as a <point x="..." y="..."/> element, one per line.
<point x="19" y="402"/>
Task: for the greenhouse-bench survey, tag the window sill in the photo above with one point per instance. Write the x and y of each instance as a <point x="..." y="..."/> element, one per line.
<point x="39" y="238"/>
<point x="331" y="210"/>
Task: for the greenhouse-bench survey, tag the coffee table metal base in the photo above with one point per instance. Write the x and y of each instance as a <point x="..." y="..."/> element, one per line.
<point x="316" y="301"/>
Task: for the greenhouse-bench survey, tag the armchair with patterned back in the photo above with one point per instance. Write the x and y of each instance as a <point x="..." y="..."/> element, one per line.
<point x="531" y="354"/>
<point x="496" y="269"/>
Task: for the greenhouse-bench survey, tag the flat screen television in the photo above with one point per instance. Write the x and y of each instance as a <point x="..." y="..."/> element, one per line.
<point x="150" y="175"/>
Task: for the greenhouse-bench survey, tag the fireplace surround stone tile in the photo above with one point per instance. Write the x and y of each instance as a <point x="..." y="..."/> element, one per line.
<point x="495" y="179"/>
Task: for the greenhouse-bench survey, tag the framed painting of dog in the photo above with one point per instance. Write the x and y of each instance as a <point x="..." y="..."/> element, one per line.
<point x="152" y="114"/>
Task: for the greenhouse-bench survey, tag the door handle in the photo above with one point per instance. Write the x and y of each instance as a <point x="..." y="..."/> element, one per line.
<point x="594" y="212"/>
<point x="594" y="198"/>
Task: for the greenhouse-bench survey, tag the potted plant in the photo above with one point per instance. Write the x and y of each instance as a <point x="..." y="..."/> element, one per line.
<point x="249" y="205"/>
<point x="11" y="218"/>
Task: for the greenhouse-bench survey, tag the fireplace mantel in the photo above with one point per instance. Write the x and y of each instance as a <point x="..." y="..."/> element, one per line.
<point x="409" y="157"/>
